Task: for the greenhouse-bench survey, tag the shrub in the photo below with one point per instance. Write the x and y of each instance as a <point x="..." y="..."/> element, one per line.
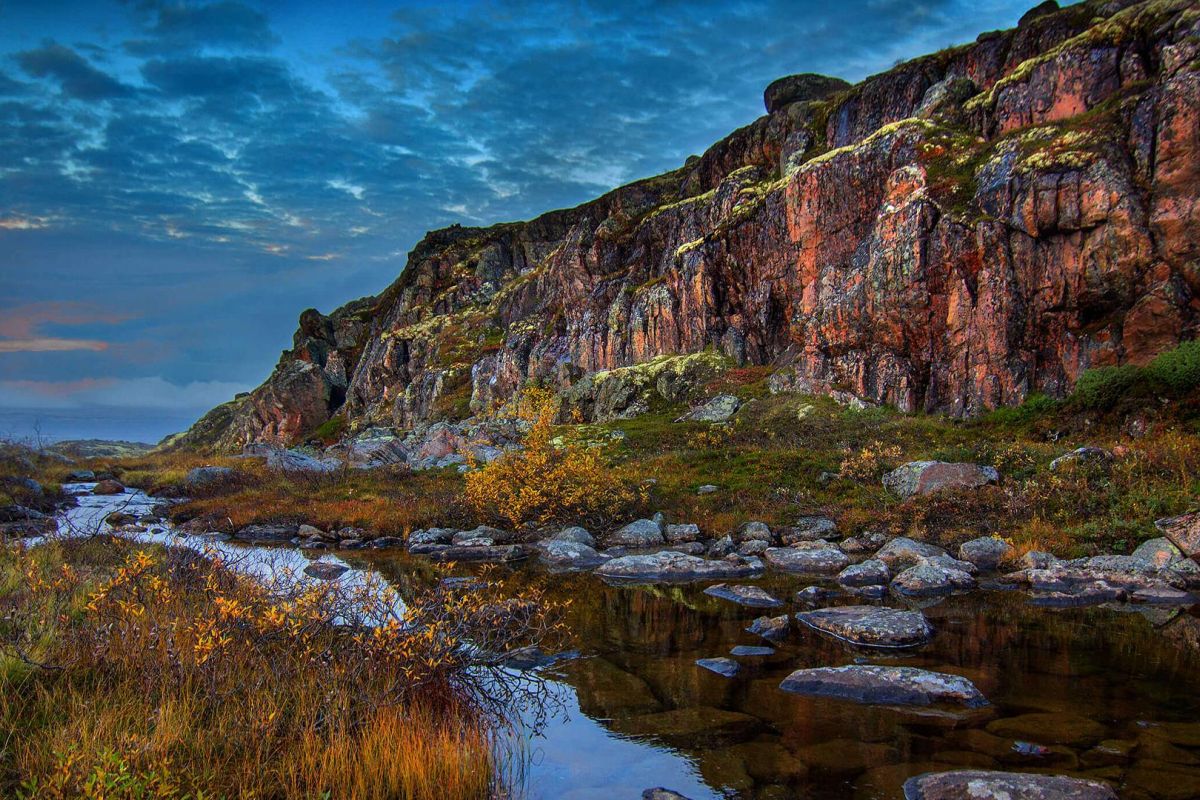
<point x="1178" y="369"/>
<point x="1099" y="388"/>
<point x="544" y="483"/>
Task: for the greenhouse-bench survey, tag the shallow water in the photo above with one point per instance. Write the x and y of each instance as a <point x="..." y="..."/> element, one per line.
<point x="637" y="712"/>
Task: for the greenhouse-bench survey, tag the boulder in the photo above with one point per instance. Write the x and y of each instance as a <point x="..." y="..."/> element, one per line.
<point x="691" y="548"/>
<point x="707" y="488"/>
<point x="1158" y="552"/>
<point x="1183" y="532"/>
<point x="483" y="535"/>
<point x="927" y="477"/>
<point x="659" y="793"/>
<point x="870" y="626"/>
<point x="268" y="533"/>
<point x="865" y="542"/>
<point x="718" y="409"/>
<point x="80" y="476"/>
<point x="431" y="536"/>
<point x="929" y="579"/>
<point x="725" y="667"/>
<point x="666" y="565"/>
<point x="325" y="571"/>
<point x="639" y="533"/>
<point x="978" y="784"/>
<point x="812" y="595"/>
<point x="17" y="513"/>
<point x="569" y="554"/>
<point x="751" y="651"/>
<point x="674" y="534"/>
<point x="277" y="458"/>
<point x="809" y="529"/>
<point x="118" y="518"/>
<point x="984" y="552"/>
<point x="312" y="532"/>
<point x="386" y="542"/>
<point x="904" y="552"/>
<point x="1082" y="456"/>
<point x="801" y="87"/>
<point x="1049" y="727"/>
<point x="750" y="596"/>
<point x="753" y="531"/>
<point x="107" y="487"/>
<point x="872" y="572"/>
<point x="907" y="686"/>
<point x="721" y="547"/>
<point x="200" y="478"/>
<point x="1037" y="559"/>
<point x="470" y="552"/>
<point x="810" y="558"/>
<point x="770" y="628"/>
<point x="754" y="547"/>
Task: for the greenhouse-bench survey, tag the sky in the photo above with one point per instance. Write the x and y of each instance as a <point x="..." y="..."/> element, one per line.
<point x="179" y="180"/>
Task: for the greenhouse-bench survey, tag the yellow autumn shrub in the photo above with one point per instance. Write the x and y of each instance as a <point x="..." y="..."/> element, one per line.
<point x="547" y="481"/>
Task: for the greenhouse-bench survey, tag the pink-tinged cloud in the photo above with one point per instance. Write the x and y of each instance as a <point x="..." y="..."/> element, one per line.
<point x="14" y="223"/>
<point x="44" y="344"/>
<point x="21" y="321"/>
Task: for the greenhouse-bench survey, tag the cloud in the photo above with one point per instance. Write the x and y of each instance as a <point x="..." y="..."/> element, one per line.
<point x="44" y="344"/>
<point x="24" y="320"/>
<point x="148" y="393"/>
<point x="75" y="75"/>
<point x="185" y="27"/>
<point x="22" y="223"/>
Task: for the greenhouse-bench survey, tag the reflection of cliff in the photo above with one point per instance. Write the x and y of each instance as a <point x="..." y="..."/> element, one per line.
<point x="953" y="234"/>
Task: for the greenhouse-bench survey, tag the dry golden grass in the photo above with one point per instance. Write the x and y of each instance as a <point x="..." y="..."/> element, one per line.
<point x="128" y="671"/>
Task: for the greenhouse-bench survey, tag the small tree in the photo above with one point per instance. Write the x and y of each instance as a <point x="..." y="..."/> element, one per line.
<point x="547" y="482"/>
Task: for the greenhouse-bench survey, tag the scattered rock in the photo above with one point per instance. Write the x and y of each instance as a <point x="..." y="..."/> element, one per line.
<point x="814" y="558"/>
<point x="726" y="667"/>
<point x="107" y="487"/>
<point x="674" y="534"/>
<point x="872" y="572"/>
<point x="928" y="579"/>
<point x="809" y="529"/>
<point x="1036" y="559"/>
<point x="927" y="477"/>
<point x="670" y="566"/>
<point x="283" y="460"/>
<point x="985" y="552"/>
<point x="17" y="513"/>
<point x="386" y="542"/>
<point x="718" y="409"/>
<point x="118" y="518"/>
<point x="453" y="552"/>
<point x="1158" y="552"/>
<point x="691" y="548"/>
<point x="199" y="478"/>
<point x="1163" y="595"/>
<point x="482" y="535"/>
<point x="811" y="595"/>
<point x="885" y="685"/>
<point x="865" y="542"/>
<point x="772" y="629"/>
<point x="574" y="534"/>
<point x="1183" y="532"/>
<point x="721" y="547"/>
<point x="904" y="552"/>
<point x="81" y="476"/>
<point x="753" y="548"/>
<point x="707" y="488"/>
<point x="639" y="533"/>
<point x="1083" y="456"/>
<point x="753" y="532"/>
<point x="870" y="626"/>
<point x="692" y="727"/>
<point x="751" y="651"/>
<point x="988" y="785"/>
<point x="431" y="536"/>
<point x="312" y="532"/>
<point x="659" y="793"/>
<point x="267" y="533"/>
<point x="569" y="554"/>
<point x="325" y="571"/>
<point x="751" y="596"/>
<point x="1079" y="595"/>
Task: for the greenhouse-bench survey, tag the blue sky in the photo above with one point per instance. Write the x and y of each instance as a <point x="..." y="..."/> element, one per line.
<point x="179" y="180"/>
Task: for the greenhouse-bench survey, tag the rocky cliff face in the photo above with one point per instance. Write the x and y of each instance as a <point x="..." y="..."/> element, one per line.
<point x="951" y="235"/>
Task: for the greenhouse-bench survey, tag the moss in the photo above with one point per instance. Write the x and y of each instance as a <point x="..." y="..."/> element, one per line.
<point x="331" y="430"/>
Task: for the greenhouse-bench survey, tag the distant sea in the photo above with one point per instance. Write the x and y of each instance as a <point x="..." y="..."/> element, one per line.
<point x="133" y="425"/>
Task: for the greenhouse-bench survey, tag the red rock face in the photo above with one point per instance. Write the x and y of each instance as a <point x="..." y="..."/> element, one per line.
<point x="951" y="235"/>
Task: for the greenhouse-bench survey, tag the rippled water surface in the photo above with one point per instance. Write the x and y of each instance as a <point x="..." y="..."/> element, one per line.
<point x="1109" y="692"/>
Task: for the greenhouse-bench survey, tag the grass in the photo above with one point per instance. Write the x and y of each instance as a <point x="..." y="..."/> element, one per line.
<point x="130" y="671"/>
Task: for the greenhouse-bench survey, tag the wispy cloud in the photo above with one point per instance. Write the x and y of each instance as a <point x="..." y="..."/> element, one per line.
<point x="150" y="393"/>
<point x="47" y="344"/>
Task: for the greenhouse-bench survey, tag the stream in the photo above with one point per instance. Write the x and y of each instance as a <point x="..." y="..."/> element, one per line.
<point x="1109" y="692"/>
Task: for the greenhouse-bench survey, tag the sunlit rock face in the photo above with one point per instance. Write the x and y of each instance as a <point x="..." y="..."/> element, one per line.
<point x="952" y="235"/>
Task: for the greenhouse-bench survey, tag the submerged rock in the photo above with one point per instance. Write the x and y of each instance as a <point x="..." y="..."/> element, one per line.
<point x="751" y="596"/>
<point x="569" y="554"/>
<point x="454" y="552"/>
<point x="659" y="793"/>
<point x="813" y="558"/>
<point x="927" y="477"/>
<point x="870" y="626"/>
<point x="977" y="784"/>
<point x="751" y="651"/>
<point x="885" y="685"/>
<point x="324" y="571"/>
<point x="772" y="629"/>
<point x="671" y="566"/>
<point x="726" y="667"/>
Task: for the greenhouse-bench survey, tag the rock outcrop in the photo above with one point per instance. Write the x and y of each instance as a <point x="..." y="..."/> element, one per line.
<point x="951" y="235"/>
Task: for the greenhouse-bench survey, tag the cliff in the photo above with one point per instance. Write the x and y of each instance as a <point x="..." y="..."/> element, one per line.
<point x="951" y="235"/>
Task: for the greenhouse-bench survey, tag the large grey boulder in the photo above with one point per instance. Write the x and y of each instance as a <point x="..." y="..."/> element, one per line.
<point x="984" y="552"/>
<point x="870" y="626"/>
<point x="1159" y="552"/>
<point x="575" y="534"/>
<point x="885" y="685"/>
<point x="639" y="533"/>
<point x="978" y="784"/>
<point x="927" y="477"/>
<point x="753" y="531"/>
<point x="929" y="579"/>
<point x="200" y="478"/>
<point x="567" y="554"/>
<point x="904" y="552"/>
<point x="283" y="460"/>
<point x="667" y="565"/>
<point x="872" y="572"/>
<point x="431" y="536"/>
<point x="718" y="409"/>
<point x="809" y="529"/>
<point x="809" y="558"/>
<point x="677" y="534"/>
